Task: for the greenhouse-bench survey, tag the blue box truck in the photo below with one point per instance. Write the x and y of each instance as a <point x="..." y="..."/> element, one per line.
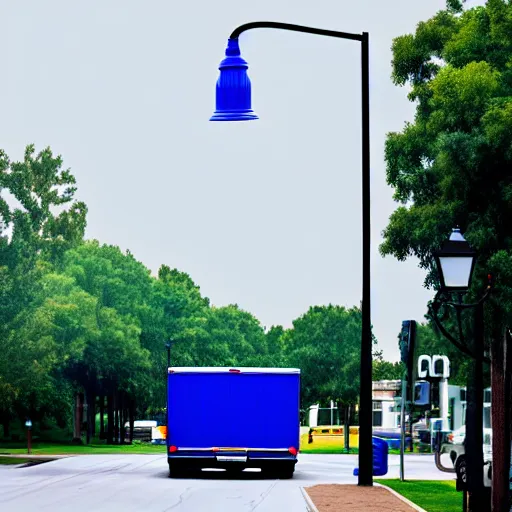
<point x="233" y="418"/>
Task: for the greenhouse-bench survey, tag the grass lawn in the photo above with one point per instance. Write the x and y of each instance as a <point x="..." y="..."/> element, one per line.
<point x="63" y="449"/>
<point x="7" y="461"/>
<point x="326" y="450"/>
<point x="433" y="496"/>
<point x="341" y="451"/>
<point x="334" y="445"/>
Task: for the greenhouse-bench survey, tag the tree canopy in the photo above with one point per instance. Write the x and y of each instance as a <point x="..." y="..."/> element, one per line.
<point x="85" y="322"/>
<point x="451" y="165"/>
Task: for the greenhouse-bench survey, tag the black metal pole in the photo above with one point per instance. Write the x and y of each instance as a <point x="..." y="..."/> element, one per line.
<point x="365" y="386"/>
<point x="365" y="390"/>
<point x="474" y="418"/>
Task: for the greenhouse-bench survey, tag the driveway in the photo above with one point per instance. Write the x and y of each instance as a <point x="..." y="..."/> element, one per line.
<point x="126" y="483"/>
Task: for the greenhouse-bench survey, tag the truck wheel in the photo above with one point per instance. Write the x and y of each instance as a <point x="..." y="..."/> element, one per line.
<point x="176" y="469"/>
<point x="235" y="469"/>
<point x="286" y="471"/>
<point x="281" y="471"/>
<point x="286" y="474"/>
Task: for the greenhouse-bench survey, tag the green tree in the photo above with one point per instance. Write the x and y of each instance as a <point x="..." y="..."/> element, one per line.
<point x="451" y="166"/>
<point x="115" y="364"/>
<point x="385" y="370"/>
<point x="31" y="192"/>
<point x="325" y="343"/>
<point x="235" y="338"/>
<point x="177" y="312"/>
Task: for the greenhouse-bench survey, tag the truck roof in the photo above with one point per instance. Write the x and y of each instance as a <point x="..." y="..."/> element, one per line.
<point x="229" y="369"/>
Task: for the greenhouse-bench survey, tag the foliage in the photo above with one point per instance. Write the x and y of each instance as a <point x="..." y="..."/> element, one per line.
<point x="451" y="166"/>
<point x="83" y="318"/>
<point x="325" y="343"/>
<point x="32" y="235"/>
<point x="385" y="370"/>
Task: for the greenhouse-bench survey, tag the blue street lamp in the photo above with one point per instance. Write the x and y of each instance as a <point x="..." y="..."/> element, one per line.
<point x="233" y="88"/>
<point x="233" y="103"/>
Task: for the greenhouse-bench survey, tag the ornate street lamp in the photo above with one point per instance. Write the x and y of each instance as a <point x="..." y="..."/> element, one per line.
<point x="455" y="263"/>
<point x="233" y="103"/>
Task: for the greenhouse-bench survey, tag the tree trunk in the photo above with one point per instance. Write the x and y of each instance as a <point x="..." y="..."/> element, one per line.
<point x="93" y="416"/>
<point x="6" y="424"/>
<point x="102" y="416"/>
<point x="90" y="412"/>
<point x="116" y="417"/>
<point x="347" y="428"/>
<point x="500" y="410"/>
<point x="132" y="418"/>
<point x="122" y="418"/>
<point x="110" y="419"/>
<point x="77" y="424"/>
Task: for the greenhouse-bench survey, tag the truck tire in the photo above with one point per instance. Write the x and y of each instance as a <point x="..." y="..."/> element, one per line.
<point x="280" y="471"/>
<point x="286" y="474"/>
<point x="235" y="470"/>
<point x="176" y="469"/>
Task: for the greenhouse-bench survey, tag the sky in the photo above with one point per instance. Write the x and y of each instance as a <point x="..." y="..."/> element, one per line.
<point x="265" y="214"/>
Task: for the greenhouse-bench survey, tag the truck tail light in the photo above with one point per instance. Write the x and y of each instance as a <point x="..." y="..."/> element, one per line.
<point x="234" y="370"/>
<point x="173" y="449"/>
<point x="293" y="450"/>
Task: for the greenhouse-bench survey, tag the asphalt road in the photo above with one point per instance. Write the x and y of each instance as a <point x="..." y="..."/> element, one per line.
<point x="126" y="483"/>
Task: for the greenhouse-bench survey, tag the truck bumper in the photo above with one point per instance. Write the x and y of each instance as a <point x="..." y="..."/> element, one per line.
<point x="232" y="460"/>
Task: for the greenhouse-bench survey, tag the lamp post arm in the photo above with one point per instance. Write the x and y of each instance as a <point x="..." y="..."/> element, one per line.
<point x="463" y="348"/>
<point x="294" y="28"/>
<point x="459" y="325"/>
<point x="457" y="305"/>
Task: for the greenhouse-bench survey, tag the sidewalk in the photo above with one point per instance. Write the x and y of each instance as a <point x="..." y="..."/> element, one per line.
<point x="352" y="498"/>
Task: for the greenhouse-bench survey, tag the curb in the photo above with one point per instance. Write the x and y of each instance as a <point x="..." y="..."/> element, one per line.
<point x="31" y="457"/>
<point x="310" y="506"/>
<point x="400" y="497"/>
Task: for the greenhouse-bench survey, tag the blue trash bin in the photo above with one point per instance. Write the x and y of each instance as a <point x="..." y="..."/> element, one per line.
<point x="380" y="457"/>
<point x="393" y="444"/>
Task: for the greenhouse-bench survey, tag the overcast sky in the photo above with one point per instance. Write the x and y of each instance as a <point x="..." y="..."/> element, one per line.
<point x="265" y="214"/>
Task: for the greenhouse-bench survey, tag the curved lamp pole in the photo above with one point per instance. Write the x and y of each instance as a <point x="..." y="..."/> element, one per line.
<point x="233" y="103"/>
<point x="455" y="264"/>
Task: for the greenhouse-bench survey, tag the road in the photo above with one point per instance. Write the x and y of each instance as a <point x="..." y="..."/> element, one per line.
<point x="126" y="483"/>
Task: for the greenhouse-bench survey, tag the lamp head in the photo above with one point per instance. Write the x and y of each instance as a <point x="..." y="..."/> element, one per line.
<point x="233" y="92"/>
<point x="455" y="263"/>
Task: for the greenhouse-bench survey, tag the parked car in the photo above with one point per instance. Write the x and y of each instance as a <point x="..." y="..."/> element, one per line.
<point x="457" y="436"/>
<point x="454" y="445"/>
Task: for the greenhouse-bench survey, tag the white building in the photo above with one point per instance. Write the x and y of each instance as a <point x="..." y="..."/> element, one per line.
<point x="386" y="406"/>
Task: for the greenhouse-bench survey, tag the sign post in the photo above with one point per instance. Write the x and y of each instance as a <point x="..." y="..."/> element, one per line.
<point x="402" y="427"/>
<point x="28" y="424"/>
<point x="407" y="345"/>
